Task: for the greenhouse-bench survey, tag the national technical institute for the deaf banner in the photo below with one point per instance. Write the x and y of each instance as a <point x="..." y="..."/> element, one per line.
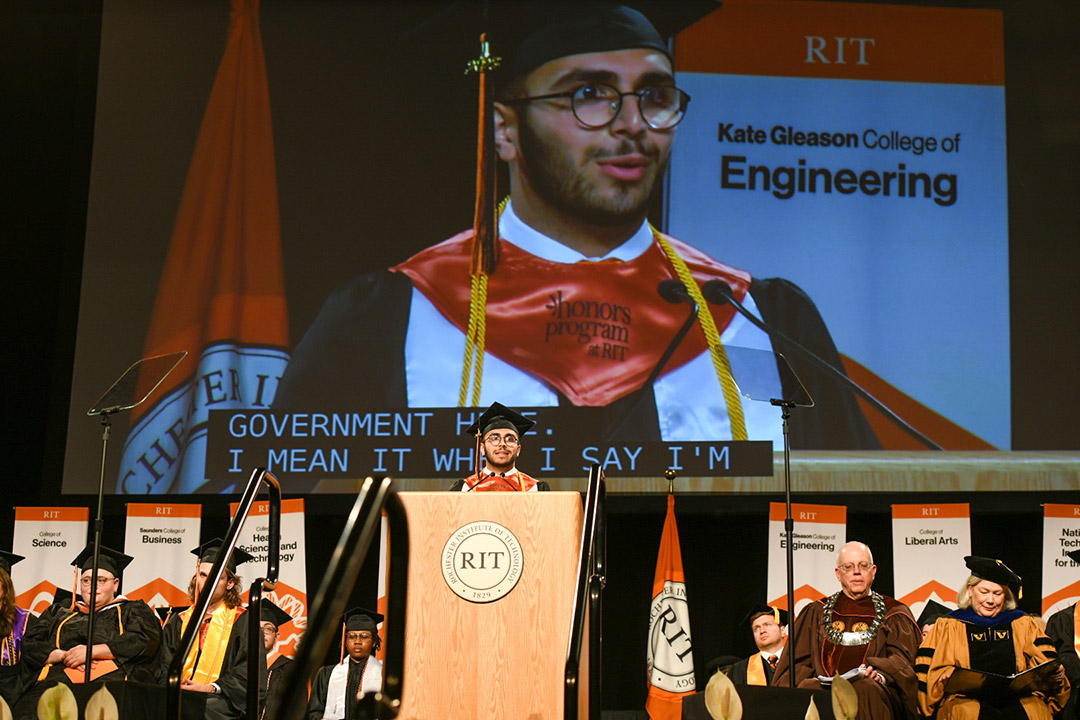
<point x="818" y="534"/>
<point x="1061" y="576"/>
<point x="929" y="545"/>
<point x="160" y="538"/>
<point x="291" y="592"/>
<point x="50" y="538"/>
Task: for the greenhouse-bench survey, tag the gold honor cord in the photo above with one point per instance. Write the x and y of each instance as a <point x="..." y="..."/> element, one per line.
<point x="477" y="331"/>
<point x="712" y="337"/>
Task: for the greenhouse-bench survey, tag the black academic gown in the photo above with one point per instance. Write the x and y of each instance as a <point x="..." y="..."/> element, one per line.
<point x="1061" y="629"/>
<point x="333" y="367"/>
<point x="12" y="669"/>
<point x="128" y="627"/>
<point x="739" y="670"/>
<point x="231" y="702"/>
<point x="278" y="674"/>
<point x="320" y="690"/>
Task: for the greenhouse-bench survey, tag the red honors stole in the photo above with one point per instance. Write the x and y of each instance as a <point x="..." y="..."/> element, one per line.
<point x="592" y="329"/>
<point x="514" y="481"/>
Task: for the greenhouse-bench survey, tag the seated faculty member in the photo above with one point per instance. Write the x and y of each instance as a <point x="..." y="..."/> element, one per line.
<point x="858" y="631"/>
<point x="990" y="634"/>
<point x="768" y="626"/>
<point x="1064" y="631"/>
<point x="337" y="688"/>
<point x="498" y="432"/>
<point x="125" y="642"/>
<point x="217" y="663"/>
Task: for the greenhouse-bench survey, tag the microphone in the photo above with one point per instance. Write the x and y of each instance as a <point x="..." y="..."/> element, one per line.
<point x="719" y="292"/>
<point x="674" y="292"/>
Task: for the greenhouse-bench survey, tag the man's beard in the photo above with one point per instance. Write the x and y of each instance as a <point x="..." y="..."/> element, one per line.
<point x="556" y="179"/>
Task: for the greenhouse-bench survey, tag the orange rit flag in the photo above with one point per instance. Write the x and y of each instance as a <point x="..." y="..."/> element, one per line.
<point x="670" y="657"/>
<point x="222" y="290"/>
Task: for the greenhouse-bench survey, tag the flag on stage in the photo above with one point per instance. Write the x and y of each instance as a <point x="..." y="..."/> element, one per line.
<point x="670" y="651"/>
<point x="222" y="292"/>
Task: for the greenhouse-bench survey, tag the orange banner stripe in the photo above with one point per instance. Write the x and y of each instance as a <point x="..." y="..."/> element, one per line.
<point x="851" y="41"/>
<point x="159" y="510"/>
<point x="833" y="514"/>
<point x="946" y="510"/>
<point x="292" y="505"/>
<point x="53" y="514"/>
<point x="1061" y="511"/>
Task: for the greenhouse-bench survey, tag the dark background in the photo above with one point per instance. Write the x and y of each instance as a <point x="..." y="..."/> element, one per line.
<point x="48" y="76"/>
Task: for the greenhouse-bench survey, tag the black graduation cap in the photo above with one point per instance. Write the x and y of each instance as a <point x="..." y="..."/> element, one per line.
<point x="63" y="597"/>
<point x="497" y="417"/>
<point x="111" y="560"/>
<point x="1074" y="555"/>
<point x="931" y="612"/>
<point x="7" y="559"/>
<point x="779" y="615"/>
<point x="994" y="571"/>
<point x="362" y="619"/>
<point x="208" y="553"/>
<point x="272" y="613"/>
<point x="721" y="664"/>
<point x="165" y="612"/>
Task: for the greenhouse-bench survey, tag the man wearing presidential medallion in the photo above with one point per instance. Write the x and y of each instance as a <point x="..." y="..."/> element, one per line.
<point x="569" y="313"/>
<point x="867" y="637"/>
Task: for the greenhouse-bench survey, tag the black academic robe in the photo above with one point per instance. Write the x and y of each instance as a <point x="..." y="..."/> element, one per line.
<point x="12" y="670"/>
<point x="277" y="675"/>
<point x="740" y="670"/>
<point x="334" y="368"/>
<point x="128" y="627"/>
<point x="1061" y="629"/>
<point x="231" y="702"/>
<point x="320" y="689"/>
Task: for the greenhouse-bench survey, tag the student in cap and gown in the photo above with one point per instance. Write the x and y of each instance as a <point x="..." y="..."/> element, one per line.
<point x="278" y="671"/>
<point x="126" y="634"/>
<point x="14" y="622"/>
<point x="217" y="663"/>
<point x="357" y="674"/>
<point x="1063" y="628"/>
<point x="930" y="614"/>
<point x="989" y="634"/>
<point x="499" y="431"/>
<point x="767" y="624"/>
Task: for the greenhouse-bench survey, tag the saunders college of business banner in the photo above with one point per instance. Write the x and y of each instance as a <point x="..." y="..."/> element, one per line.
<point x="291" y="592"/>
<point x="818" y="533"/>
<point x="160" y="538"/>
<point x="50" y="538"/>
<point x="1061" y="576"/>
<point x="929" y="545"/>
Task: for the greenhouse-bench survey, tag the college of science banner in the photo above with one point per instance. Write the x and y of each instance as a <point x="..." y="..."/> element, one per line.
<point x="160" y="538"/>
<point x="291" y="592"/>
<point x="428" y="443"/>
<point x="1061" y="576"/>
<point x="929" y="545"/>
<point x="858" y="150"/>
<point x="818" y="535"/>
<point x="50" y="538"/>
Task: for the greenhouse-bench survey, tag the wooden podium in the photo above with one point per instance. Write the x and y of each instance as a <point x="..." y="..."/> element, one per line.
<point x="505" y="655"/>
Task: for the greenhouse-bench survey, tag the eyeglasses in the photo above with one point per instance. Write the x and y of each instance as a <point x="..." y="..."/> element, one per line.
<point x="269" y="630"/>
<point x="662" y="107"/>
<point x="507" y="440"/>
<point x="864" y="566"/>
<point x="101" y="581"/>
<point x="358" y="636"/>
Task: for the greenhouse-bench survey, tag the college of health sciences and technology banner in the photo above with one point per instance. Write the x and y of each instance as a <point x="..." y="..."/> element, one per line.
<point x="858" y="150"/>
<point x="929" y="545"/>
<point x="50" y="538"/>
<point x="818" y="535"/>
<point x="291" y="592"/>
<point x="1061" y="576"/>
<point x="160" y="538"/>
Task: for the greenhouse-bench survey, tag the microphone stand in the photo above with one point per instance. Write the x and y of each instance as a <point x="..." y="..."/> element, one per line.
<point x="789" y="533"/>
<point x="106" y="425"/>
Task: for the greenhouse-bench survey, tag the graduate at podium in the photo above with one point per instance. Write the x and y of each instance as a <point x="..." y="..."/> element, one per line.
<point x="498" y="432"/>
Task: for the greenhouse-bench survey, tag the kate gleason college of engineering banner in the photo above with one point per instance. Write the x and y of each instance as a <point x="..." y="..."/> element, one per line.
<point x="817" y="536"/>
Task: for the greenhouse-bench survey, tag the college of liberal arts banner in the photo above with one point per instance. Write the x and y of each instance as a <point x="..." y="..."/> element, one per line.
<point x="291" y="592"/>
<point x="50" y="538"/>
<point x="818" y="535"/>
<point x="160" y="538"/>
<point x="1061" y="576"/>
<point x="929" y="545"/>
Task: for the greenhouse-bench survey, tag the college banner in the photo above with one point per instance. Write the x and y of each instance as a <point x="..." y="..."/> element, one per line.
<point x="50" y="538"/>
<point x="818" y="534"/>
<point x="291" y="592"/>
<point x="1061" y="575"/>
<point x="929" y="545"/>
<point x="160" y="538"/>
<point x="858" y="150"/>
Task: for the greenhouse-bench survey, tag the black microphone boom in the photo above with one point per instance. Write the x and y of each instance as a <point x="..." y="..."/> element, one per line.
<point x="719" y="292"/>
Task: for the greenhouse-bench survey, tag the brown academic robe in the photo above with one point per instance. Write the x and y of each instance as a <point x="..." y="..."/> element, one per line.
<point x="946" y="647"/>
<point x="891" y="651"/>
